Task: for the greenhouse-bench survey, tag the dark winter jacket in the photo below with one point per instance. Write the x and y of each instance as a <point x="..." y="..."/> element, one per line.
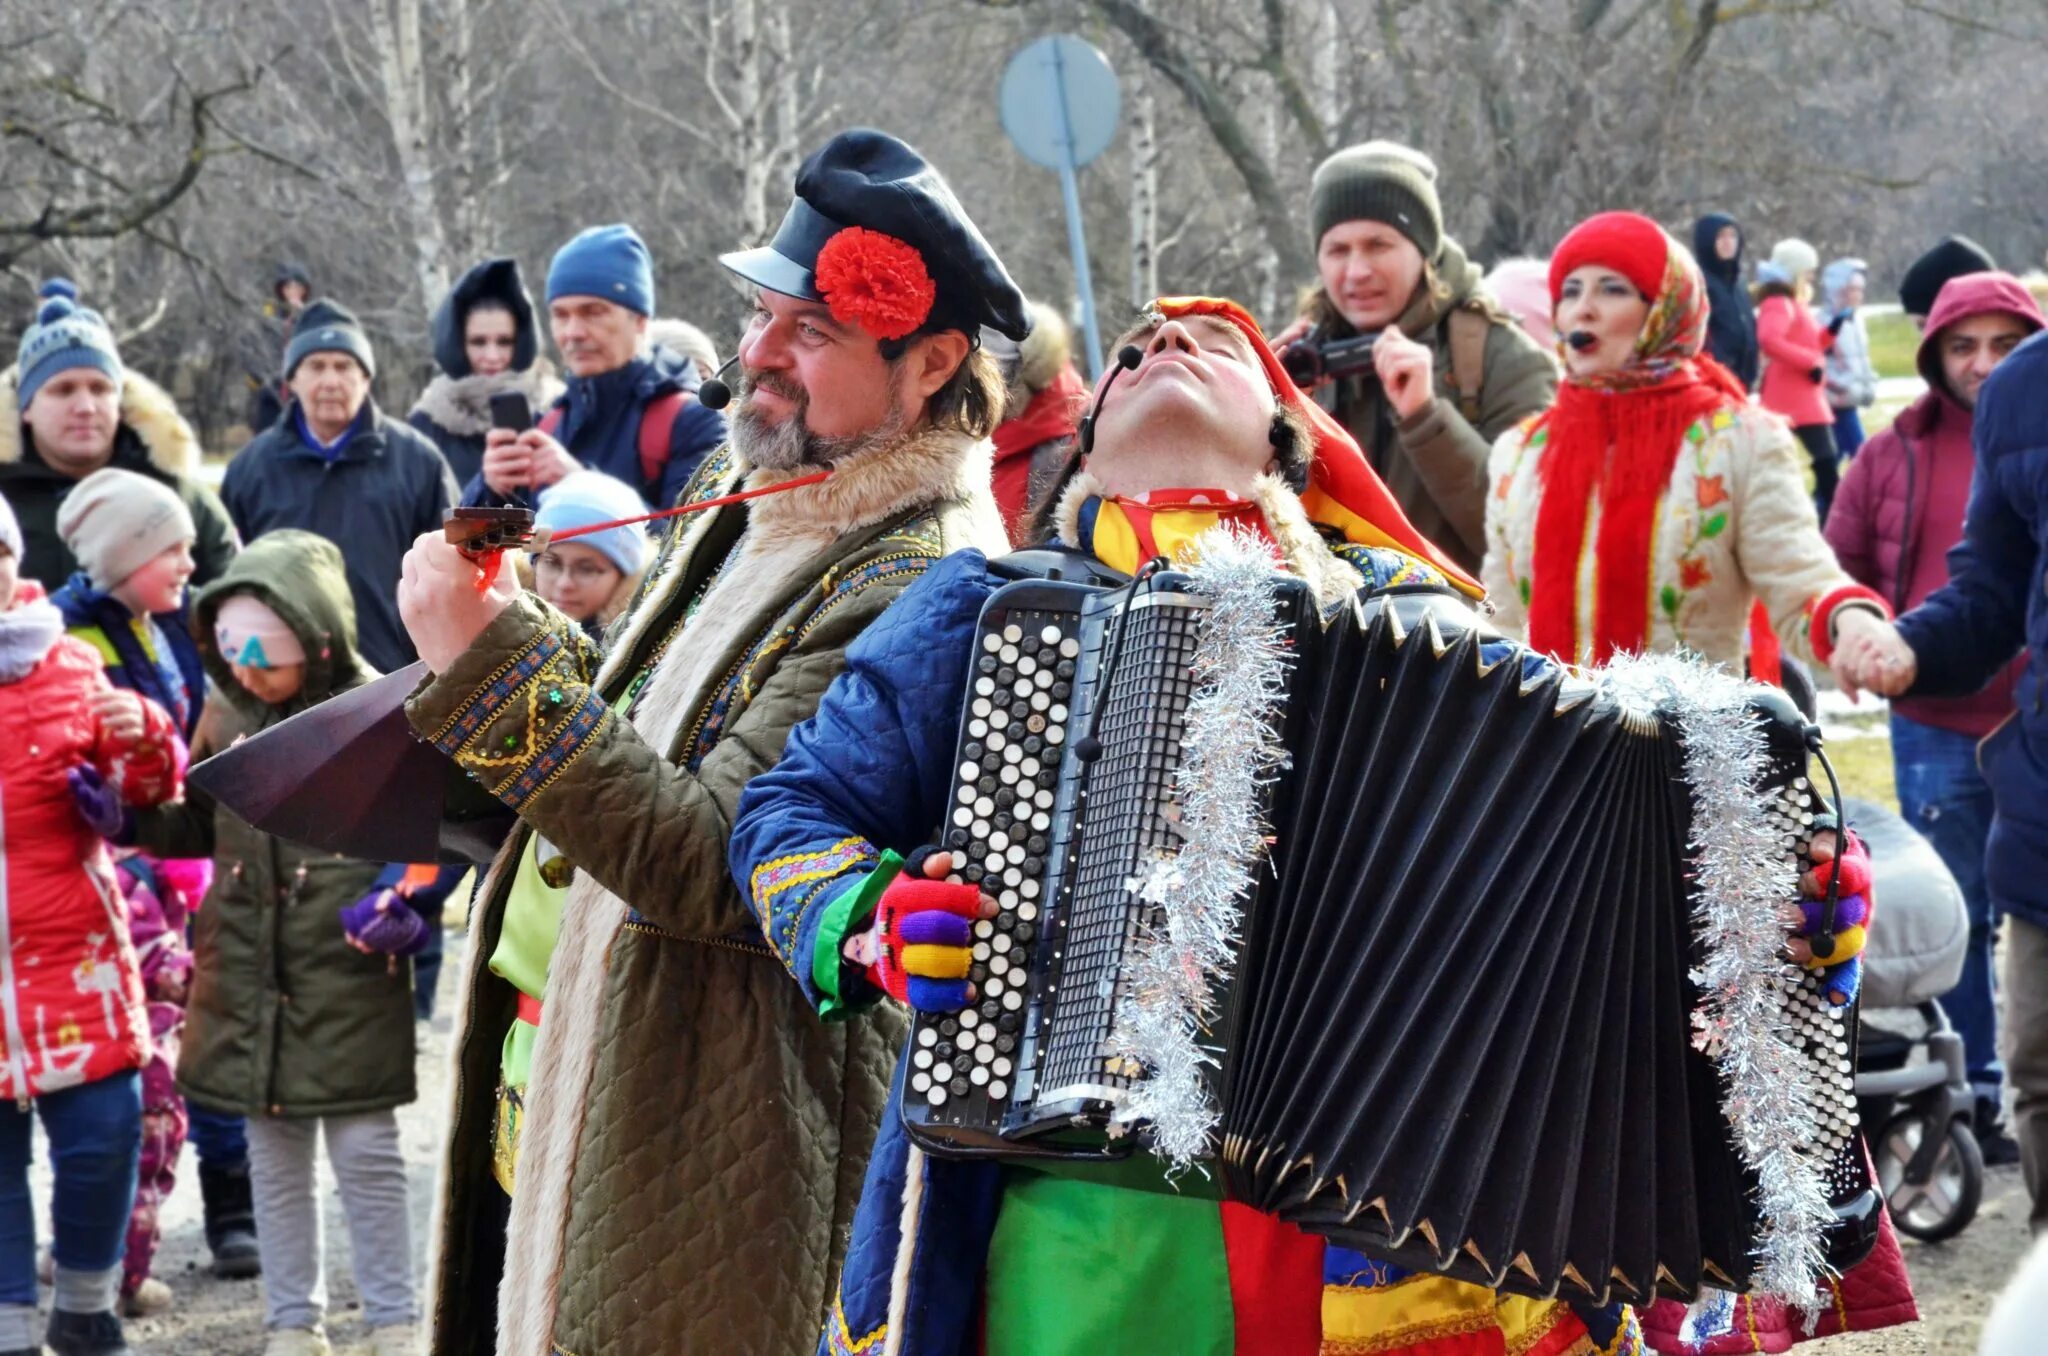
<point x="1995" y="606"/>
<point x="386" y="487"/>
<point x="599" y="422"/>
<point x="1435" y="463"/>
<point x="172" y="677"/>
<point x="1731" y="317"/>
<point x="153" y="440"/>
<point x="286" y="1018"/>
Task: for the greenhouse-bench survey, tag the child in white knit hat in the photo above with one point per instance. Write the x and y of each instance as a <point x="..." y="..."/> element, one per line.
<point x="133" y="536"/>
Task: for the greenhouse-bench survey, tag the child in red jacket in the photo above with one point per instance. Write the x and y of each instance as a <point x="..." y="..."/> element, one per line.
<point x="73" y="1029"/>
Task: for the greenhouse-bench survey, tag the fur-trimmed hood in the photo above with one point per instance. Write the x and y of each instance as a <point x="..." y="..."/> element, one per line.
<point x="462" y="405"/>
<point x="146" y="409"/>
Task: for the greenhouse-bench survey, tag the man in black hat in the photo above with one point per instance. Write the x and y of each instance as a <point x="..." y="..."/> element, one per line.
<point x="1951" y="257"/>
<point x="656" y="1144"/>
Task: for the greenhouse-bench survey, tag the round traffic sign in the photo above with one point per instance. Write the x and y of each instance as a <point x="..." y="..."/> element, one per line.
<point x="1060" y="101"/>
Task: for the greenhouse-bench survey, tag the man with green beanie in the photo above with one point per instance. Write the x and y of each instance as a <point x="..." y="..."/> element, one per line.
<point x="1450" y="371"/>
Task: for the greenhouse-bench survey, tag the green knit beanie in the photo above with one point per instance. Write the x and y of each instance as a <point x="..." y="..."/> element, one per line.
<point x="1378" y="181"/>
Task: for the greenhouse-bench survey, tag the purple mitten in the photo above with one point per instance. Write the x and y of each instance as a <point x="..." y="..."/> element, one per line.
<point x="99" y="804"/>
<point x="383" y="922"/>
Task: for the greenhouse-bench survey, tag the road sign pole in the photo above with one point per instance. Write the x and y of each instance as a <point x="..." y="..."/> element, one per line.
<point x="1077" y="240"/>
<point x="1070" y="189"/>
<point x="1059" y="105"/>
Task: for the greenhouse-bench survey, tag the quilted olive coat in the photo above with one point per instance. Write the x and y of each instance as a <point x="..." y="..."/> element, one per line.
<point x="694" y="1138"/>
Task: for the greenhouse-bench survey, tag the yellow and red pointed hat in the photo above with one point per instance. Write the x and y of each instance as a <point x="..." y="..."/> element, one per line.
<point x="1344" y="491"/>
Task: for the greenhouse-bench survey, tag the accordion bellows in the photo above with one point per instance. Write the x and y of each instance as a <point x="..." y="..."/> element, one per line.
<point x="1459" y="1032"/>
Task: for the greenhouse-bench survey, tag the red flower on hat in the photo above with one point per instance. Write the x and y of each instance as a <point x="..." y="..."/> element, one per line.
<point x="875" y="281"/>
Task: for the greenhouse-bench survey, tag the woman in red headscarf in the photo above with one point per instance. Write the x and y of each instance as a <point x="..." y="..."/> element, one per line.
<point x="1648" y="507"/>
<point x="1652" y="508"/>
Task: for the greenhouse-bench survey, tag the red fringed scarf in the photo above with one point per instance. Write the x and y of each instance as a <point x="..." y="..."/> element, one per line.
<point x="1623" y="444"/>
<point x="1619" y="434"/>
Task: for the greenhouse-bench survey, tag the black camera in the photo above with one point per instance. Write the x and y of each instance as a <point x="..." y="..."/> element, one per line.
<point x="1313" y="360"/>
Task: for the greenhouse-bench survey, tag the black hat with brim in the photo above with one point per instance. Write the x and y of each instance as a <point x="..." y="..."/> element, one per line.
<point x="870" y="179"/>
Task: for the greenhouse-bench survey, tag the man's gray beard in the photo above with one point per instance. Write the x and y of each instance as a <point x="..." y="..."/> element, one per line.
<point x="789" y="445"/>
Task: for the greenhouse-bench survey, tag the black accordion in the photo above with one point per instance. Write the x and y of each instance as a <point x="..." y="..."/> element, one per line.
<point x="1458" y="1034"/>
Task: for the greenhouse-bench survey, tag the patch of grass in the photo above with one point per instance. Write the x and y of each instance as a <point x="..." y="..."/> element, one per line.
<point x="1864" y="765"/>
<point x="1893" y="342"/>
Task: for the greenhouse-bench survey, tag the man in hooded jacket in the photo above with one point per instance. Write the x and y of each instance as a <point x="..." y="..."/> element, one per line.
<point x="1731" y="316"/>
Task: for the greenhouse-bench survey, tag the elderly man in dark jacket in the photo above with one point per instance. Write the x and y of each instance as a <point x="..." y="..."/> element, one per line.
<point x="1993" y="608"/>
<point x="1731" y="316"/>
<point x="631" y="409"/>
<point x="333" y="464"/>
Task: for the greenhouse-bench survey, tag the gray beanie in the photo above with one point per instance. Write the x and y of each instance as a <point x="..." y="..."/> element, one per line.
<point x="118" y="521"/>
<point x="1378" y="181"/>
<point x="327" y="327"/>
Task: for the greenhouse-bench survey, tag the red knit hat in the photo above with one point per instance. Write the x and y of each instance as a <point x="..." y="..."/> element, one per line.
<point x="1627" y="242"/>
<point x="1344" y="491"/>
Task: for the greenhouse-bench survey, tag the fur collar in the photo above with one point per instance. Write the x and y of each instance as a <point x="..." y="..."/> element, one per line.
<point x="462" y="405"/>
<point x="924" y="467"/>
<point x="145" y="407"/>
<point x="1303" y="548"/>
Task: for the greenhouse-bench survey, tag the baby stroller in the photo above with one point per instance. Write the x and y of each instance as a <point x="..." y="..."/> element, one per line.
<point x="1912" y="1087"/>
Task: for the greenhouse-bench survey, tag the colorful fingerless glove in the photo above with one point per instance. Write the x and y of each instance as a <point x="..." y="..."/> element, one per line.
<point x="927" y="939"/>
<point x="1842" y="968"/>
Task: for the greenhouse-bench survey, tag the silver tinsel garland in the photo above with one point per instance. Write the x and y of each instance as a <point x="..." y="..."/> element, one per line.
<point x="1742" y="881"/>
<point x="1230" y="749"/>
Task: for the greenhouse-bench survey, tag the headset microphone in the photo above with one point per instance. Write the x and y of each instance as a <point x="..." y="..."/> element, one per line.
<point x="1127" y="359"/>
<point x="714" y="394"/>
<point x="1582" y="340"/>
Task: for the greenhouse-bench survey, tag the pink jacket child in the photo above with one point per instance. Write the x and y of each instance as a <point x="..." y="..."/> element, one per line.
<point x="160" y="896"/>
<point x="71" y="1001"/>
<point x="1900" y="506"/>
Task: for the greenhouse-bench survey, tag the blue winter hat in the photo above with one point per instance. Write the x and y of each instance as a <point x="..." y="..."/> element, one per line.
<point x="605" y="261"/>
<point x="328" y="327"/>
<point x="582" y="498"/>
<point x="65" y="335"/>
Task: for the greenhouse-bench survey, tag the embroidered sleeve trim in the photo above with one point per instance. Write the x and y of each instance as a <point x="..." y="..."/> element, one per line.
<point x="787" y="873"/>
<point x="496" y="692"/>
<point x="840" y="1342"/>
<point x="572" y="735"/>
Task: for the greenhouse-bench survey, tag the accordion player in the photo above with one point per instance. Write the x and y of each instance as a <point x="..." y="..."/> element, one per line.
<point x="988" y="1203"/>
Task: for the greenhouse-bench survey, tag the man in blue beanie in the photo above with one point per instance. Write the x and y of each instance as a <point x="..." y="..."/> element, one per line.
<point x="334" y="464"/>
<point x="631" y="409"/>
